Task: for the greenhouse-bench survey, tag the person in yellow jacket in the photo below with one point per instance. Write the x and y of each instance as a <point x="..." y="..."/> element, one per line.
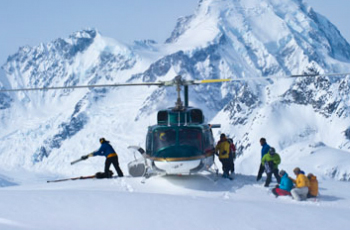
<point x="313" y="188"/>
<point x="222" y="149"/>
<point x="301" y="185"/>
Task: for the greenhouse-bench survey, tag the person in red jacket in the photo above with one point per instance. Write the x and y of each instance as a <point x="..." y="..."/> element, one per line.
<point x="232" y="156"/>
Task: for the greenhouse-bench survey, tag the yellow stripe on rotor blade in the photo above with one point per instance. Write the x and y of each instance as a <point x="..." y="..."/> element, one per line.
<point x="215" y="80"/>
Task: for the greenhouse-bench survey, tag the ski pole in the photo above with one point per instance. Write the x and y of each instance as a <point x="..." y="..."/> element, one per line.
<point x="81" y="158"/>
<point x="76" y="161"/>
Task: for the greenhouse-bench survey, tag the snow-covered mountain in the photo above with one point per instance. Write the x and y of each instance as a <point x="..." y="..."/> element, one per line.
<point x="306" y="119"/>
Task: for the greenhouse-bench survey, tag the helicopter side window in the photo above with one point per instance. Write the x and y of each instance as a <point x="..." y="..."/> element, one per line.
<point x="164" y="138"/>
<point x="208" y="140"/>
<point x="191" y="137"/>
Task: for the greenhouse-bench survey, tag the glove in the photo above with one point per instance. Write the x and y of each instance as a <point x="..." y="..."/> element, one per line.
<point x="224" y="152"/>
<point x="84" y="157"/>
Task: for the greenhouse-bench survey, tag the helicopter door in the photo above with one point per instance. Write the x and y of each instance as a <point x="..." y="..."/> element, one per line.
<point x="208" y="141"/>
<point x="149" y="143"/>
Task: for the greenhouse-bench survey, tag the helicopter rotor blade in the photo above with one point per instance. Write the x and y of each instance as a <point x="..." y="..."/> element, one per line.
<point x="84" y="86"/>
<point x="214" y="80"/>
<point x="321" y="75"/>
<point x="177" y="81"/>
<point x="196" y="82"/>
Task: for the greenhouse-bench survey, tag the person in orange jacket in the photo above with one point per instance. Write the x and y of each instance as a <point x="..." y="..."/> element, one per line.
<point x="301" y="185"/>
<point x="313" y="188"/>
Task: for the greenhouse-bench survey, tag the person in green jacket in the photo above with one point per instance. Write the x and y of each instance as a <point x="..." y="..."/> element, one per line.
<point x="270" y="161"/>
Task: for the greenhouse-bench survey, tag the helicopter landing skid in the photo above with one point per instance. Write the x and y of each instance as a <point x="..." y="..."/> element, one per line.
<point x="215" y="171"/>
<point x="216" y="178"/>
<point x="146" y="176"/>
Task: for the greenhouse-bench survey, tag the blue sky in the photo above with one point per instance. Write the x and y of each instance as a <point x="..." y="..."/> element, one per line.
<point x="29" y="22"/>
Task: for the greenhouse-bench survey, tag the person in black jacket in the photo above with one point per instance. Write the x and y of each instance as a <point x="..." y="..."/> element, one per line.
<point x="111" y="157"/>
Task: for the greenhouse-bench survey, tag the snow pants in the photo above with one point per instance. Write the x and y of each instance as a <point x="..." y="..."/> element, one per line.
<point x="280" y="192"/>
<point x="232" y="163"/>
<point x="115" y="162"/>
<point x="299" y="193"/>
<point x="269" y="177"/>
<point x="260" y="172"/>
<point x="226" y="165"/>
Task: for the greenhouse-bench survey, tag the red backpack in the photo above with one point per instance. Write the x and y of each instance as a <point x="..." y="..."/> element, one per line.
<point x="232" y="147"/>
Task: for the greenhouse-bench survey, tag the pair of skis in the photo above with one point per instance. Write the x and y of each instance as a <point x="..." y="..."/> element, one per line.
<point x="98" y="175"/>
<point x="73" y="178"/>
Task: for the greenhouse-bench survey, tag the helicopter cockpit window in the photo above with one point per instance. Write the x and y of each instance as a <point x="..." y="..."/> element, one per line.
<point x="164" y="138"/>
<point x="191" y="137"/>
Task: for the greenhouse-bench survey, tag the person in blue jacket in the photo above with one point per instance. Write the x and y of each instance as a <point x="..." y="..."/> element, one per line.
<point x="286" y="185"/>
<point x="111" y="157"/>
<point x="264" y="149"/>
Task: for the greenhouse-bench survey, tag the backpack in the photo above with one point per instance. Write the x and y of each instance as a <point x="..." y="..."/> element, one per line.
<point x="101" y="175"/>
<point x="232" y="148"/>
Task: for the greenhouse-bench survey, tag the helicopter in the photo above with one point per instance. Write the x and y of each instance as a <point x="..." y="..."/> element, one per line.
<point x="181" y="143"/>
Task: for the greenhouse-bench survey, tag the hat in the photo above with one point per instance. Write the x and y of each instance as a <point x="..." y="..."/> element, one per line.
<point x="282" y="172"/>
<point x="297" y="170"/>
<point x="102" y="139"/>
<point x="272" y="151"/>
<point x="222" y="135"/>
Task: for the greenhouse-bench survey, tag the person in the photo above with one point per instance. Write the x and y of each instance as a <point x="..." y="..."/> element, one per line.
<point x="223" y="147"/>
<point x="286" y="185"/>
<point x="232" y="156"/>
<point x="111" y="157"/>
<point x="265" y="148"/>
<point x="301" y="185"/>
<point x="313" y="187"/>
<point x="162" y="136"/>
<point x="271" y="160"/>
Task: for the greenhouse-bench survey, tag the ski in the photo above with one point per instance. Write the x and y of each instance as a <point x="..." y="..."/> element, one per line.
<point x="98" y="175"/>
<point x="73" y="178"/>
